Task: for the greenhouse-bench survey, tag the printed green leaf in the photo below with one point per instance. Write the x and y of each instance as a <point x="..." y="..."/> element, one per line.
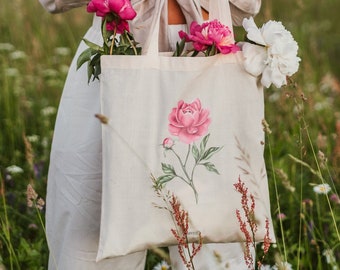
<point x="168" y="169"/>
<point x="165" y="178"/>
<point x="195" y="153"/>
<point x="210" y="152"/>
<point x="204" y="142"/>
<point x="210" y="167"/>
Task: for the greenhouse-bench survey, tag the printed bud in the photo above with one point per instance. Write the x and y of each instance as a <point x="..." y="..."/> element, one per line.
<point x="168" y="143"/>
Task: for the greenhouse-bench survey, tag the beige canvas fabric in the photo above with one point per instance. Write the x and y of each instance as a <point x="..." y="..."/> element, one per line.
<point x="137" y="95"/>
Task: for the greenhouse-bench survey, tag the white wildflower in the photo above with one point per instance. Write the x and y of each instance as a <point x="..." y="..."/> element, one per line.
<point x="17" y="55"/>
<point x="163" y="265"/>
<point x="322" y="189"/>
<point x="47" y="111"/>
<point x="62" y="51"/>
<point x="6" y="47"/>
<point x="33" y="138"/>
<point x="328" y="253"/>
<point x="11" y="72"/>
<point x="14" y="169"/>
<point x="283" y="266"/>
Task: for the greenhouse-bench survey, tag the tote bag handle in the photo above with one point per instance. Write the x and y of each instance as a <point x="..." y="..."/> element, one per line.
<point x="218" y="9"/>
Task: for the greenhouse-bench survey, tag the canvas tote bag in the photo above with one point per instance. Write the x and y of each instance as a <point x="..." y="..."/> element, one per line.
<point x="145" y="98"/>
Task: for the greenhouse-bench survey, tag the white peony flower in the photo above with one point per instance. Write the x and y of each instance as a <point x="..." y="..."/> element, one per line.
<point x="274" y="54"/>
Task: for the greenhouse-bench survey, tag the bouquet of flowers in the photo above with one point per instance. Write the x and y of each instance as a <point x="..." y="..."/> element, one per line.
<point x="117" y="38"/>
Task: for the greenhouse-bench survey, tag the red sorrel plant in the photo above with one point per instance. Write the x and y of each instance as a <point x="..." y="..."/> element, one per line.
<point x="180" y="218"/>
<point x="248" y="225"/>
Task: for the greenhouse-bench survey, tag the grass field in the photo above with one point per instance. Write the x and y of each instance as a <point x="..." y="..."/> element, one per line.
<point x="302" y="151"/>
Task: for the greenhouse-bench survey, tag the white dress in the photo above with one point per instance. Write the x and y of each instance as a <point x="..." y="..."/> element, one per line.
<point x="74" y="181"/>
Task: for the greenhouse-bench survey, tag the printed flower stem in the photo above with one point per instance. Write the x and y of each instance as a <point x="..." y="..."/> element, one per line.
<point x="190" y="179"/>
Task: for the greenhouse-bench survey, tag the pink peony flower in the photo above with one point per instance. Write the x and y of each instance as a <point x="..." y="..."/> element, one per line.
<point x="197" y="36"/>
<point x="222" y="37"/>
<point x="209" y="34"/>
<point x="168" y="143"/>
<point x="121" y="9"/>
<point x="189" y="121"/>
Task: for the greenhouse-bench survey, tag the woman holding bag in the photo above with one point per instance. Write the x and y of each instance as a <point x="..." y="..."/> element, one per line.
<point x="74" y="181"/>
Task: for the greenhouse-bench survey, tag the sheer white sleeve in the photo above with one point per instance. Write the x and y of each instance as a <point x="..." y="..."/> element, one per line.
<point x="240" y="9"/>
<point x="56" y="6"/>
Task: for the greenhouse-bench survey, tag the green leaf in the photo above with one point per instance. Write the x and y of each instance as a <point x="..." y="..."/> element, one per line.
<point x="210" y="167"/>
<point x="210" y="152"/>
<point x="168" y="169"/>
<point x="179" y="48"/>
<point x="84" y="57"/>
<point x="90" y="70"/>
<point x="204" y="142"/>
<point x="93" y="46"/>
<point x="164" y="179"/>
<point x="195" y="153"/>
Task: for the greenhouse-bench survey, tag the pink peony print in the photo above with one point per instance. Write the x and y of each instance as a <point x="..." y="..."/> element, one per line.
<point x="168" y="143"/>
<point x="189" y="121"/>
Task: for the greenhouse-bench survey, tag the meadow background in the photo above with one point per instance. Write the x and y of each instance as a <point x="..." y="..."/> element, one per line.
<point x="302" y="150"/>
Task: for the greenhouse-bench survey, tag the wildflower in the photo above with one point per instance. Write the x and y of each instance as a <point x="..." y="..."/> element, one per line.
<point x="307" y="202"/>
<point x="163" y="265"/>
<point x="6" y="47"/>
<point x="322" y="189"/>
<point x="266" y="127"/>
<point x="266" y="267"/>
<point x="249" y="226"/>
<point x="322" y="158"/>
<point x="328" y="253"/>
<point x="13" y="169"/>
<point x="32" y="197"/>
<point x="335" y="198"/>
<point x="281" y="216"/>
<point x="33" y="138"/>
<point x="283" y="266"/>
<point x="62" y="51"/>
<point x="33" y="226"/>
<point x="11" y="72"/>
<point x="49" y="110"/>
<point x="181" y="233"/>
<point x="17" y="55"/>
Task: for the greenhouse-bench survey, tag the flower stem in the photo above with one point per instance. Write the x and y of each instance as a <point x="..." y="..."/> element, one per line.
<point x="131" y="44"/>
<point x="113" y="41"/>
